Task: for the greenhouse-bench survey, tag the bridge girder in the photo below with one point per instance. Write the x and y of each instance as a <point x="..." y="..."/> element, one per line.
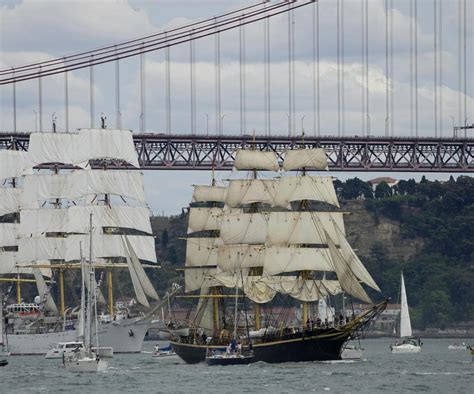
<point x="370" y="154"/>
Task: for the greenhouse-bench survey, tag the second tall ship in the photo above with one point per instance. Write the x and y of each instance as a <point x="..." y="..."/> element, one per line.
<point x="278" y="241"/>
<point x="44" y="213"/>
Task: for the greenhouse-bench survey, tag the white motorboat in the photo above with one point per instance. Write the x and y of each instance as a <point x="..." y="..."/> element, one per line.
<point x="69" y="347"/>
<point x="165" y="352"/>
<point x="351" y="352"/>
<point x="84" y="361"/>
<point x="456" y="346"/>
<point x="406" y="343"/>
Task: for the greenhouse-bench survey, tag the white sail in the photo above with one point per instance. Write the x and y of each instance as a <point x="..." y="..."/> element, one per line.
<point x="209" y="193"/>
<point x="137" y="286"/>
<point x="303" y="290"/>
<point x="112" y="144"/>
<point x="75" y="185"/>
<point x="247" y="191"/>
<point x="197" y="278"/>
<point x="201" y="252"/>
<point x="32" y="249"/>
<point x="291" y="228"/>
<point x="405" y="323"/>
<point x="204" y="312"/>
<point x="14" y="163"/>
<point x="141" y="274"/>
<point x="8" y="234"/>
<point x="256" y="160"/>
<point x="353" y="261"/>
<point x="314" y="188"/>
<point x="280" y="259"/>
<point x="43" y="292"/>
<point x="310" y="159"/>
<point x="244" y="228"/>
<point x="346" y="277"/>
<point x="52" y="148"/>
<point x="201" y="219"/>
<point x="9" y="200"/>
<point x="254" y="287"/>
<point x="236" y="257"/>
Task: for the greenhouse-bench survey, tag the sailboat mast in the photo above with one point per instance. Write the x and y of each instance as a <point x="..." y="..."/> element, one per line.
<point x="89" y="290"/>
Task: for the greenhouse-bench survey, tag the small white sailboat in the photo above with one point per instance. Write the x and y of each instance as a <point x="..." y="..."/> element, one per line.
<point x="407" y="343"/>
<point x="457" y="346"/>
<point x="85" y="359"/>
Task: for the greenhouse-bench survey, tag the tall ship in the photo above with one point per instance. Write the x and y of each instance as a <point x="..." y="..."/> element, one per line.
<point x="64" y="180"/>
<point x="278" y="240"/>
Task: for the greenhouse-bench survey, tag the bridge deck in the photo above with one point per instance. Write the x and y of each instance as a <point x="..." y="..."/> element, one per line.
<point x="201" y="152"/>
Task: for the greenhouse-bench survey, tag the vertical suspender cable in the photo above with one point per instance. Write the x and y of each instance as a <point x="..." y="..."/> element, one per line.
<point x="142" y="93"/>
<point x="313" y="14"/>
<point x="14" y="105"/>
<point x="40" y="101"/>
<point x="411" y="71"/>
<point x="266" y="72"/>
<point x="66" y="102"/>
<point x="416" y="65"/>
<point x="242" y="77"/>
<point x="168" y="90"/>
<point x="91" y="93"/>
<point x="290" y="80"/>
<point x="435" y="50"/>
<point x="293" y="69"/>
<point x="118" y="115"/>
<point x="465" y="66"/>
<point x="386" y="71"/>
<point x="440" y="13"/>
<point x="338" y="56"/>
<point x="460" y="121"/>
<point x="192" y="84"/>
<point x="362" y="60"/>
<point x="317" y="72"/>
<point x="392" y="114"/>
<point x="217" y="59"/>
<point x="367" y="65"/>
<point x="343" y="100"/>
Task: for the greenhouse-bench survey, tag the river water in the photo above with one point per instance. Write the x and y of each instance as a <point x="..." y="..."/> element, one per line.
<point x="436" y="370"/>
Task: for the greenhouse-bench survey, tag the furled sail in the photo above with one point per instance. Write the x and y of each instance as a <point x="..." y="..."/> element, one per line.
<point x="280" y="259"/>
<point x="204" y="193"/>
<point x="346" y="277"/>
<point x="248" y="191"/>
<point x="314" y="188"/>
<point x="254" y="287"/>
<point x="307" y="290"/>
<point x="256" y="160"/>
<point x="309" y="159"/>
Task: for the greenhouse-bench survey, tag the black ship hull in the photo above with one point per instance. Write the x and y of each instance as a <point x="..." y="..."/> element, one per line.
<point x="224" y="361"/>
<point x="317" y="344"/>
<point x="313" y="347"/>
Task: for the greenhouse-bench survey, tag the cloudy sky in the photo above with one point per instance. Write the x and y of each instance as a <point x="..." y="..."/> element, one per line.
<point x="32" y="30"/>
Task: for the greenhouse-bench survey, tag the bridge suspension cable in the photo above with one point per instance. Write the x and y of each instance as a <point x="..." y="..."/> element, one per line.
<point x="172" y="37"/>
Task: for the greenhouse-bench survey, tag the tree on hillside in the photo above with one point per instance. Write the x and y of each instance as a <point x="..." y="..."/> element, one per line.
<point x="356" y="188"/>
<point x="383" y="190"/>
